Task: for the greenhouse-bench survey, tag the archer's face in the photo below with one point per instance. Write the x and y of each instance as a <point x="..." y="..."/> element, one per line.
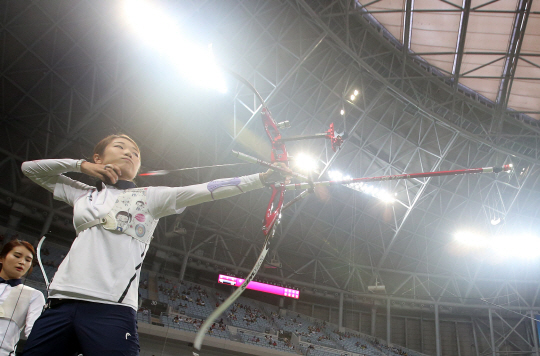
<point x="124" y="154"/>
<point x="16" y="263"/>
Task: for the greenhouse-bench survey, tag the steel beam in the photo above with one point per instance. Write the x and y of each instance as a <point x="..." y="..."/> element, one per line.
<point x="437" y="331"/>
<point x="427" y="105"/>
<point x="512" y="59"/>
<point x="458" y="58"/>
<point x="388" y="248"/>
<point x="534" y="335"/>
<point x="492" y="333"/>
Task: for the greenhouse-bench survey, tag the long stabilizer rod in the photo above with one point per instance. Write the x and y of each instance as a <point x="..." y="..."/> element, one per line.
<point x="299" y="186"/>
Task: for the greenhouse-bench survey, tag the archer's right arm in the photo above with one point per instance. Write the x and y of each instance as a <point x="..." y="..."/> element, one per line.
<point x="48" y="173"/>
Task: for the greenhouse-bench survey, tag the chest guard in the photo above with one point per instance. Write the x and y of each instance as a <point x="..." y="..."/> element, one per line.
<point x="129" y="215"/>
<point x="16" y="305"/>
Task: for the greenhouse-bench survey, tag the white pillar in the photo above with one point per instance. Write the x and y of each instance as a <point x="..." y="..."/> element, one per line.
<point x="535" y="334"/>
<point x="373" y="320"/>
<point x="474" y="337"/>
<point x="388" y="323"/>
<point x="340" y="325"/>
<point x="437" y="331"/>
<point x="421" y="334"/>
<point x="406" y="335"/>
<point x="457" y="339"/>
<point x="184" y="267"/>
<point x="492" y="332"/>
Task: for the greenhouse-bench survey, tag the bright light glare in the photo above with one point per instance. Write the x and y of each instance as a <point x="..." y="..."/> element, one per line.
<point x="353" y="97"/>
<point x="355" y="92"/>
<point x="161" y="32"/>
<point x="524" y="246"/>
<point x="519" y="245"/>
<point x="378" y="193"/>
<point x="472" y="239"/>
<point x="386" y="197"/>
<point x="342" y="112"/>
<point x="305" y="163"/>
<point x="335" y="175"/>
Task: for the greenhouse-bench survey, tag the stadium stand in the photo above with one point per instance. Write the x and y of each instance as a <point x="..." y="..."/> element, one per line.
<point x="269" y="341"/>
<point x="356" y="343"/>
<point x="247" y="314"/>
<point x="312" y="332"/>
<point x="316" y="350"/>
<point x="51" y="256"/>
<point x="255" y="323"/>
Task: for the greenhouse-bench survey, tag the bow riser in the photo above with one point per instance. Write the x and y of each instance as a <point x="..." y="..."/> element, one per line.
<point x="279" y="154"/>
<point x="272" y="216"/>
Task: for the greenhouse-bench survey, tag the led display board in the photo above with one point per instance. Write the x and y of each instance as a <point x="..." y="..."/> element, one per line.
<point x="261" y="287"/>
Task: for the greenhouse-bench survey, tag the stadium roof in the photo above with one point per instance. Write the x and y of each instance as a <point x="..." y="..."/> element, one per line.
<point x="491" y="47"/>
<point x="70" y="73"/>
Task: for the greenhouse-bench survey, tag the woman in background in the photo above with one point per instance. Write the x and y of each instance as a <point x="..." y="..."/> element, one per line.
<point x="20" y="305"/>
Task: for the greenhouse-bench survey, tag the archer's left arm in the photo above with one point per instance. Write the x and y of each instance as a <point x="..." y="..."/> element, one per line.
<point x="167" y="201"/>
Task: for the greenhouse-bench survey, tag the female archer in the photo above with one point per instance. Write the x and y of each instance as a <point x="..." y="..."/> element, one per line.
<point x="93" y="296"/>
<point x="20" y="305"/>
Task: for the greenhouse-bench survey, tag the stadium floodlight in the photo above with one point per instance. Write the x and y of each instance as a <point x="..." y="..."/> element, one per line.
<point x="342" y="112"/>
<point x="161" y="32"/>
<point x="305" y="163"/>
<point x="355" y="93"/>
<point x="471" y="238"/>
<point x="386" y="197"/>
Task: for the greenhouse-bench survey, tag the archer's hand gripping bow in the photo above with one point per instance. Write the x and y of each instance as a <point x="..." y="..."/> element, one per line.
<point x="272" y="216"/>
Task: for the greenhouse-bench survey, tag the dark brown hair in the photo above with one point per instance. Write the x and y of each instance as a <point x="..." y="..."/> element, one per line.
<point x="14" y="243"/>
<point x="100" y="147"/>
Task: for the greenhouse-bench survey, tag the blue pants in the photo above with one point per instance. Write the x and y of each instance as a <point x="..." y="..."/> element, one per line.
<point x="92" y="329"/>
